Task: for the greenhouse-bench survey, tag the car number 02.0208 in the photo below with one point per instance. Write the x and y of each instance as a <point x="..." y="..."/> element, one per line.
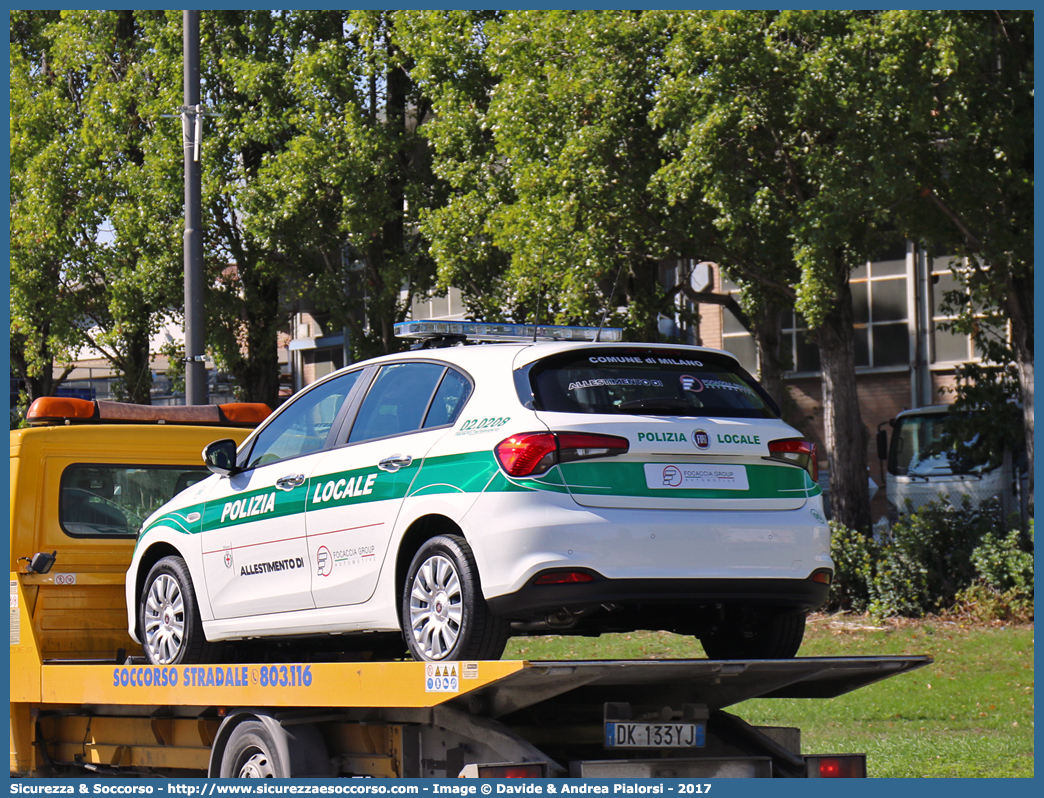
<point x="654" y="735"/>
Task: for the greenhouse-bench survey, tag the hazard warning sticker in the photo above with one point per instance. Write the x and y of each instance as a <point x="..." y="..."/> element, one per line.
<point x="442" y="677"/>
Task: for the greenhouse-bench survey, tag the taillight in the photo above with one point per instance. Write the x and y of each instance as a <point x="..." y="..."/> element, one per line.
<point x="532" y="770"/>
<point x="839" y="766"/>
<point x="797" y="451"/>
<point x="533" y="453"/>
<point x="527" y="453"/>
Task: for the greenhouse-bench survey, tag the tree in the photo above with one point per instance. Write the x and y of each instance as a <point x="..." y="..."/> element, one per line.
<point x="975" y="199"/>
<point x="810" y="112"/>
<point x="53" y="213"/>
<point x="552" y="172"/>
<point x="91" y="178"/>
<point x="132" y="277"/>
<point x="347" y="190"/>
<point x="454" y="70"/>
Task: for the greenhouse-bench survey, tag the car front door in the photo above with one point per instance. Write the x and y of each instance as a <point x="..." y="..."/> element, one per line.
<point x="255" y="555"/>
<point x="357" y="488"/>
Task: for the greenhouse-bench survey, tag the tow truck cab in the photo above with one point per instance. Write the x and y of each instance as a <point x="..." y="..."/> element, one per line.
<point x="84" y="476"/>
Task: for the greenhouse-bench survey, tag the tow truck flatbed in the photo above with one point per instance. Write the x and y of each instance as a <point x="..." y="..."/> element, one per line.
<point x="413" y="718"/>
<point x="82" y="702"/>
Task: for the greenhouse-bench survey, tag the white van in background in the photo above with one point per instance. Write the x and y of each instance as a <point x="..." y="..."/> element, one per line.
<point x="918" y="471"/>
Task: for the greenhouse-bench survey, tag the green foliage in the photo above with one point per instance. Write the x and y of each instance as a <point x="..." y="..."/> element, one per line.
<point x="1003" y="589"/>
<point x="549" y="165"/>
<point x="985" y="420"/>
<point x="854" y="555"/>
<point x="900" y="585"/>
<point x="1005" y="562"/>
<point x="932" y="559"/>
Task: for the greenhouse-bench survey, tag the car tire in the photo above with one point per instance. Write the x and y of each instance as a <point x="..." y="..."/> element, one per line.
<point x="168" y="617"/>
<point x="775" y="637"/>
<point x="444" y="614"/>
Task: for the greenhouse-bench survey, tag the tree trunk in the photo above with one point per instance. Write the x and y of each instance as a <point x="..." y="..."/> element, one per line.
<point x="1019" y="307"/>
<point x="134" y="363"/>
<point x="643" y="293"/>
<point x="846" y="436"/>
<point x="36" y="384"/>
<point x="768" y="326"/>
<point x="258" y="369"/>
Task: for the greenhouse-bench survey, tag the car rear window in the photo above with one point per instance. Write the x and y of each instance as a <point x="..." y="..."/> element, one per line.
<point x="640" y="381"/>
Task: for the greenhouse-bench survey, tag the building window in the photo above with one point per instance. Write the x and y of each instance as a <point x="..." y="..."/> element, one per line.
<point x="317" y="363"/>
<point x="880" y="309"/>
<point x="881" y="314"/>
<point x="451" y="305"/>
<point x="802" y="353"/>
<point x="948" y="346"/>
<point x="734" y="336"/>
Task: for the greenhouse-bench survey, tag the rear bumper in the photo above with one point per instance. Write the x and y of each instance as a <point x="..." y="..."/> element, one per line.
<point x="699" y="555"/>
<point x="778" y="594"/>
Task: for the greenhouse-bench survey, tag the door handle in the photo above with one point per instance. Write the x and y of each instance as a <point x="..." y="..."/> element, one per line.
<point x="395" y="462"/>
<point x="290" y="481"/>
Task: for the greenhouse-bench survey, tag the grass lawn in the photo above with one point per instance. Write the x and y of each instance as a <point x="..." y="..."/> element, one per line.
<point x="969" y="714"/>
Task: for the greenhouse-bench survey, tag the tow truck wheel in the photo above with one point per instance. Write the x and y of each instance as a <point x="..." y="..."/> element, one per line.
<point x="168" y="616"/>
<point x="444" y="614"/>
<point x="265" y="749"/>
<point x="776" y="637"/>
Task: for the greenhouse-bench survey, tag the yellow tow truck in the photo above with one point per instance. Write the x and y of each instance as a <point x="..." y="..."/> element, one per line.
<point x="84" y="701"/>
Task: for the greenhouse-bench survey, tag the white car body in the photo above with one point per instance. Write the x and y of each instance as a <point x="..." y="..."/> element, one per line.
<point x="327" y="552"/>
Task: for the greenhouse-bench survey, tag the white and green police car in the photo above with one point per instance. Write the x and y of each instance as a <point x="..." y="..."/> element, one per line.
<point x="465" y="493"/>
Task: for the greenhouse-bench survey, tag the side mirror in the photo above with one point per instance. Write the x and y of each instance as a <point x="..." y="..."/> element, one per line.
<point x="882" y="444"/>
<point x="220" y="457"/>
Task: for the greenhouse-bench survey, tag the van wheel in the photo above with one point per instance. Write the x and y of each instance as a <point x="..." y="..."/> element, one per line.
<point x="168" y="616"/>
<point x="444" y="615"/>
<point x="775" y="637"/>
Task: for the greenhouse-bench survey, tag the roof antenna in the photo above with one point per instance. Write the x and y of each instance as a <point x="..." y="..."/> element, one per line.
<point x="605" y="313"/>
<point x="536" y="318"/>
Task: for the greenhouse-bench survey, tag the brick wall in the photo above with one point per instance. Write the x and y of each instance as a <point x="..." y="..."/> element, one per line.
<point x="710" y="325"/>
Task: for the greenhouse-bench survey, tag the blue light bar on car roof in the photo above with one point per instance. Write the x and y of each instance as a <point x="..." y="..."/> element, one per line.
<point x="481" y="331"/>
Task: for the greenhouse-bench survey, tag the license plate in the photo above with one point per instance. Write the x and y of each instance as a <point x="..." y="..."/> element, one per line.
<point x="624" y="734"/>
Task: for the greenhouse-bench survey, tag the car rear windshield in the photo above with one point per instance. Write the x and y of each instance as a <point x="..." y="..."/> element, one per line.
<point x="643" y="381"/>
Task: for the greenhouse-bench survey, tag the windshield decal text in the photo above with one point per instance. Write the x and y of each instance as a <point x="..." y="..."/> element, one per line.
<point x="645" y="383"/>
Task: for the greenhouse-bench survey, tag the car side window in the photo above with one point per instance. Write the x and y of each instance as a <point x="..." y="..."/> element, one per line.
<point x="453" y="392"/>
<point x="303" y="426"/>
<point x="397" y="401"/>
